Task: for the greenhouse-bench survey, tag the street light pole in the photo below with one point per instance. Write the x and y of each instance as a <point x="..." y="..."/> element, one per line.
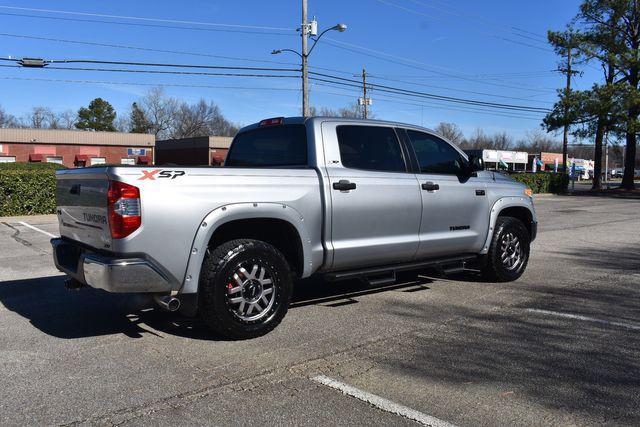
<point x="305" y="57"/>
<point x="306" y="29"/>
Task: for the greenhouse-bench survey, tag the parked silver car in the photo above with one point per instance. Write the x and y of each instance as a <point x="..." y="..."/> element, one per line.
<point x="297" y="197"/>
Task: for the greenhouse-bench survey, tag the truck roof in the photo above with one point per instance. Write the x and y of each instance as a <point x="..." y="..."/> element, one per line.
<point x="303" y="120"/>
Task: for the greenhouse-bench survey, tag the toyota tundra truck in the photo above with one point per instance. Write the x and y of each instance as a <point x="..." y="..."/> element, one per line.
<point x="341" y="198"/>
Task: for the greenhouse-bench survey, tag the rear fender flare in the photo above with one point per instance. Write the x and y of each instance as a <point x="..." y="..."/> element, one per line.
<point x="237" y="211"/>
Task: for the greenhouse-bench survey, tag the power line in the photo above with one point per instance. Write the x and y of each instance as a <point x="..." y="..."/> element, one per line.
<point x="412" y="63"/>
<point x="178" y="52"/>
<point x="454" y="89"/>
<point x="423" y="96"/>
<point x="114" y="83"/>
<point x="415" y="12"/>
<point x="404" y="98"/>
<point x="141" y="48"/>
<point x="355" y="83"/>
<point x="393" y="100"/>
<point x="193" y="73"/>
<point x="524" y="33"/>
<point x="144" y="18"/>
<point x="152" y="64"/>
<point x="139" y="24"/>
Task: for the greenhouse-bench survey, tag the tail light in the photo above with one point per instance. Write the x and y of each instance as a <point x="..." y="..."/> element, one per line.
<point x="124" y="209"/>
<point x="272" y="122"/>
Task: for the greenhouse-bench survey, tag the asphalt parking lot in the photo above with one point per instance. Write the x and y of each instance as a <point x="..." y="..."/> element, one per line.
<point x="561" y="346"/>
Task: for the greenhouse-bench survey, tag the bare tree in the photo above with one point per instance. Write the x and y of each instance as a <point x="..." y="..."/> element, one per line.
<point x="161" y="111"/>
<point x="40" y="118"/>
<point x="352" y="111"/>
<point x="502" y="141"/>
<point x="450" y="131"/>
<point x="477" y="141"/>
<point x="7" y="120"/>
<point x="536" y="141"/>
<point x="201" y="119"/>
<point x="66" y="119"/>
<point x="122" y="124"/>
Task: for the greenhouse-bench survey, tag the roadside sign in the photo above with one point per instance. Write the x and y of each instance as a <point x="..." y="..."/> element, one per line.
<point x="136" y="151"/>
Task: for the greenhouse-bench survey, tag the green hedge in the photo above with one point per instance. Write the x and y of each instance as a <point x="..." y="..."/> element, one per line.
<point x="30" y="166"/>
<point x="543" y="182"/>
<point x="27" y="188"/>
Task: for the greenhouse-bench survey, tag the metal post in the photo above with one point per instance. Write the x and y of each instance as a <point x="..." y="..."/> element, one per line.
<point x="364" y="93"/>
<point x="305" y="75"/>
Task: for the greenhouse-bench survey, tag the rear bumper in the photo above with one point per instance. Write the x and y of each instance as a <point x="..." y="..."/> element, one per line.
<point x="111" y="273"/>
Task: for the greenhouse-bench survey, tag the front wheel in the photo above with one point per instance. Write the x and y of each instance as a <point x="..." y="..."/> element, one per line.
<point x="509" y="251"/>
<point x="245" y="288"/>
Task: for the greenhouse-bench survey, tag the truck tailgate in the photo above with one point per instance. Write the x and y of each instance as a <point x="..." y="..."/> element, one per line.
<point x="81" y="196"/>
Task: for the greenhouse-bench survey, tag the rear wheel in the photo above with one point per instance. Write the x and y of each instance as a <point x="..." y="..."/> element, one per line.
<point x="509" y="251"/>
<point x="245" y="288"/>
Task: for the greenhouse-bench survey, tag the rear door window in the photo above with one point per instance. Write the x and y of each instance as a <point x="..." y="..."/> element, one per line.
<point x="373" y="148"/>
<point x="435" y="155"/>
<point x="274" y="146"/>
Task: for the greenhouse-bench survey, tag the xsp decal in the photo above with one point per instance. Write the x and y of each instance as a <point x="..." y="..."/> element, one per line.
<point x="149" y="174"/>
<point x="159" y="173"/>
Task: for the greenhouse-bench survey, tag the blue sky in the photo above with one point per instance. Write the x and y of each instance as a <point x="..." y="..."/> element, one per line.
<point x="482" y="50"/>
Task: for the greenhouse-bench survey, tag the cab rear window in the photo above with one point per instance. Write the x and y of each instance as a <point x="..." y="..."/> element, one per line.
<point x="273" y="146"/>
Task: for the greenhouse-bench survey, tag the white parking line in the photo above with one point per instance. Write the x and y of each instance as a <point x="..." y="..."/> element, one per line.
<point x="586" y="318"/>
<point x="382" y="403"/>
<point x="37" y="229"/>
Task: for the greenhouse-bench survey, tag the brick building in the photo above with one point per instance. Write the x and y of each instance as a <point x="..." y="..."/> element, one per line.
<point x="74" y="148"/>
<point x="196" y="151"/>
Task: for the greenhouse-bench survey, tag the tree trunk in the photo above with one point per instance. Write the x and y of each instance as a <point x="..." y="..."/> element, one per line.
<point x="630" y="151"/>
<point x="597" y="155"/>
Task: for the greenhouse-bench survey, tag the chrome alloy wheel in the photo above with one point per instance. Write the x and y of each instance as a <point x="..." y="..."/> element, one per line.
<point x="251" y="295"/>
<point x="511" y="253"/>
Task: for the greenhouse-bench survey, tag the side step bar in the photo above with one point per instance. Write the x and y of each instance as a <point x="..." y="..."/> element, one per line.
<point x="387" y="274"/>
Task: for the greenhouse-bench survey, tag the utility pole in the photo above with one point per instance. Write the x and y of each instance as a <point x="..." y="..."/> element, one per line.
<point x="606" y="159"/>
<point x="364" y="101"/>
<point x="565" y="133"/>
<point x="305" y="57"/>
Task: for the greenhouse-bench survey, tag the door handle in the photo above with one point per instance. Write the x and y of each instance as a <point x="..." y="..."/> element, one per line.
<point x="430" y="186"/>
<point x="344" y="185"/>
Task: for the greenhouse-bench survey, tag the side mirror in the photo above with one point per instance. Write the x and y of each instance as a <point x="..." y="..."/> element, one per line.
<point x="475" y="163"/>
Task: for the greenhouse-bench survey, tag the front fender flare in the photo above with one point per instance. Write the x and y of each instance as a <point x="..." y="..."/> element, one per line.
<point x="498" y="206"/>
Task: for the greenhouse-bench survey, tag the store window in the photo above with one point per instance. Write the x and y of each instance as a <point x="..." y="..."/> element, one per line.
<point x="127" y="161"/>
<point x="54" y="159"/>
<point x="98" y="161"/>
<point x="7" y="159"/>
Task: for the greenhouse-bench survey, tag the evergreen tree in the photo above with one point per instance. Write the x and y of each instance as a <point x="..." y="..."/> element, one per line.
<point x="139" y="121"/>
<point x="98" y="116"/>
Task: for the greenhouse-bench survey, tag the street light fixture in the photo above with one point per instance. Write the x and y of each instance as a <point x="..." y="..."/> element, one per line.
<point x="304" y="56"/>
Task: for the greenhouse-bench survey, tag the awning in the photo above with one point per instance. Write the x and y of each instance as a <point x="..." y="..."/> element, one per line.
<point x="144" y="159"/>
<point x="36" y="157"/>
<point x="82" y="158"/>
<point x="217" y="158"/>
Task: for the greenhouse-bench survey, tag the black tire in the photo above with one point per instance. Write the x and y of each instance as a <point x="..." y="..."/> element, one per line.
<point x="217" y="281"/>
<point x="495" y="269"/>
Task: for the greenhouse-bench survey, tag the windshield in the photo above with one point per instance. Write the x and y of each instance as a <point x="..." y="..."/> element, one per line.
<point x="279" y="146"/>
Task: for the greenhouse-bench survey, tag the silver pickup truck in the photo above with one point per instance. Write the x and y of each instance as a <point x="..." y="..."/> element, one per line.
<point x="296" y="197"/>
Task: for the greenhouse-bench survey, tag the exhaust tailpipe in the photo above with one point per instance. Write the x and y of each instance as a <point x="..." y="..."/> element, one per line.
<point x="167" y="302"/>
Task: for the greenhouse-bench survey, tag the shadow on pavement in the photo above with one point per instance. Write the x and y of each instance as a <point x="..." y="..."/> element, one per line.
<point x="626" y="258"/>
<point x="563" y="364"/>
<point x="90" y="312"/>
